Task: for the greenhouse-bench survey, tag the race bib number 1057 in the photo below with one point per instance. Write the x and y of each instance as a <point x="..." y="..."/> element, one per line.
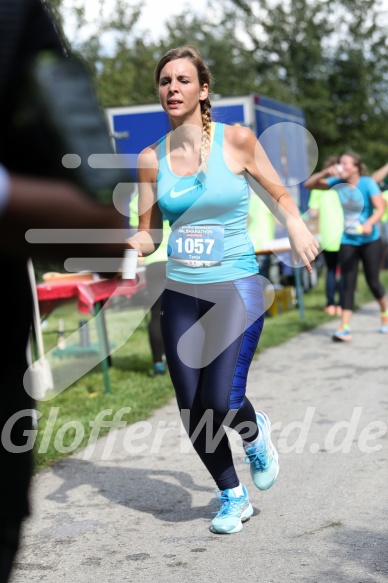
<point x="197" y="245"/>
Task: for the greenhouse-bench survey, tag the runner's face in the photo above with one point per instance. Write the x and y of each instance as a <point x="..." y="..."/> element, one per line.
<point x="179" y="90"/>
<point x="349" y="168"/>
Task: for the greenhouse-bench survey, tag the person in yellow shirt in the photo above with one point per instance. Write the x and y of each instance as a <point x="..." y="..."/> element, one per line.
<point x="380" y="176"/>
<point x="261" y="229"/>
<point x="384" y="224"/>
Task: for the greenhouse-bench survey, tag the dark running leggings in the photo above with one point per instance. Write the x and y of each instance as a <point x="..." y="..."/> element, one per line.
<point x="210" y="334"/>
<point x="349" y="256"/>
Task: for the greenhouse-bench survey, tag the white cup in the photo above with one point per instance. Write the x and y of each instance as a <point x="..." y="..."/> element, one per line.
<point x="129" y="264"/>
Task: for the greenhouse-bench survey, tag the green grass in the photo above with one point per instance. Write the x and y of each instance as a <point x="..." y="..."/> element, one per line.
<point x="131" y="379"/>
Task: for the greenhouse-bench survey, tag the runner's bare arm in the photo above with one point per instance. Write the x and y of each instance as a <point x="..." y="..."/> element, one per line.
<point x="150" y="230"/>
<point x="319" y="179"/>
<point x="247" y="150"/>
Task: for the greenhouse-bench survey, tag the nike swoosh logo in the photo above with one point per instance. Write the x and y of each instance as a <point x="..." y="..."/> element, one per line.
<point x="175" y="193"/>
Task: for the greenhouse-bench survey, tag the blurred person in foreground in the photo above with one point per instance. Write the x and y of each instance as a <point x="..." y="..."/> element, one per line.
<point x="26" y="202"/>
<point x="325" y="206"/>
<point x="363" y="207"/>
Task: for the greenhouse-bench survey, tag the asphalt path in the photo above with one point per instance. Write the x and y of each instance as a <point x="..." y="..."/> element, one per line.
<point x="136" y="506"/>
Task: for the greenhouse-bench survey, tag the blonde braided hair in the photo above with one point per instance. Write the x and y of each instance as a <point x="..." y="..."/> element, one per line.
<point x="206" y="130"/>
<point x="204" y="76"/>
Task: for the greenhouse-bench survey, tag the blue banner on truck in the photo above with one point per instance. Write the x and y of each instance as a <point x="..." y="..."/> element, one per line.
<point x="280" y="128"/>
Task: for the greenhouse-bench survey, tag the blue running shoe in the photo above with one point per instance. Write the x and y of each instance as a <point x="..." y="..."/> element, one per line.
<point x="343" y="334"/>
<point x="263" y="457"/>
<point x="384" y="322"/>
<point x="232" y="513"/>
<point x="159" y="368"/>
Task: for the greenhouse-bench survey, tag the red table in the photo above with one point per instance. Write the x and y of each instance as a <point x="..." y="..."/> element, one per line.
<point x="91" y="295"/>
<point x="88" y="293"/>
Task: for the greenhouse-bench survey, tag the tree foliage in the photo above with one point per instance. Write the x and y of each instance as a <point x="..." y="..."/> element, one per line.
<point x="231" y="63"/>
<point x="328" y="57"/>
<point x="332" y="58"/>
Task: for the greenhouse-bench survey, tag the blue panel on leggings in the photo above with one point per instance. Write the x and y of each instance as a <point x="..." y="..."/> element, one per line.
<point x="251" y="292"/>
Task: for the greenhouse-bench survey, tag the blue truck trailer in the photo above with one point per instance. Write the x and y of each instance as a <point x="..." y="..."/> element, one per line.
<point x="279" y="126"/>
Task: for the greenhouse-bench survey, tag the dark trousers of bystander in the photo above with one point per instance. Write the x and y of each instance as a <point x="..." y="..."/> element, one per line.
<point x="156" y="276"/>
<point x="333" y="285"/>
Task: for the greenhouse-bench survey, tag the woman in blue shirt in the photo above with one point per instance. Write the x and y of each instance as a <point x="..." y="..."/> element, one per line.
<point x="363" y="207"/>
<point x="212" y="307"/>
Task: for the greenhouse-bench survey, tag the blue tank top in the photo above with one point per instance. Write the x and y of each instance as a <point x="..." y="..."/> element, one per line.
<point x="357" y="207"/>
<point x="207" y="212"/>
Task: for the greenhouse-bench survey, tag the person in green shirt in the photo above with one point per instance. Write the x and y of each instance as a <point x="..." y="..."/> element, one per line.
<point x="326" y="207"/>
